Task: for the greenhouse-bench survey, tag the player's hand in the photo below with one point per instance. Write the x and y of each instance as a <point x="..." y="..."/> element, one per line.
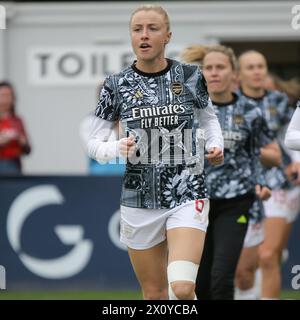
<point x="215" y="156"/>
<point x="263" y="193"/>
<point x="293" y="172"/>
<point x="127" y="147"/>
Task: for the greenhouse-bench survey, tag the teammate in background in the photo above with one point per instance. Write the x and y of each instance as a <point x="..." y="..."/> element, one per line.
<point x="231" y="186"/>
<point x="290" y="87"/>
<point x="292" y="137"/>
<point x="13" y="139"/>
<point x="284" y="203"/>
<point x="164" y="205"/>
<point x="194" y="54"/>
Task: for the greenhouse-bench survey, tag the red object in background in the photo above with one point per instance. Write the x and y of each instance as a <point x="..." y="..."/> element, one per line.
<point x="12" y="149"/>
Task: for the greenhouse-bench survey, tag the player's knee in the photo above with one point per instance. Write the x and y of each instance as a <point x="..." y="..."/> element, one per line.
<point x="268" y="257"/>
<point x="183" y="290"/>
<point x="244" y="281"/>
<point x="181" y="277"/>
<point x="153" y="293"/>
<point x="244" y="277"/>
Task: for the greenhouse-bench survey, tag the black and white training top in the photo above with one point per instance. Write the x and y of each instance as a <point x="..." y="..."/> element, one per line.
<point x="277" y="112"/>
<point x="159" y="110"/>
<point x="245" y="131"/>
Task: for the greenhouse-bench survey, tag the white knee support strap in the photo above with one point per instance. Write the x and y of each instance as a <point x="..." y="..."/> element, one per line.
<point x="181" y="270"/>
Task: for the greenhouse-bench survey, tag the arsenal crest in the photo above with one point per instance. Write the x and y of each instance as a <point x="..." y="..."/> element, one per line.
<point x="176" y="88"/>
<point x="238" y="119"/>
<point x="273" y="110"/>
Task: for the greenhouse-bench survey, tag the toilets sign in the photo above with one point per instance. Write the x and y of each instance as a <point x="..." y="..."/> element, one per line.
<point x="85" y="65"/>
<point x="75" y="65"/>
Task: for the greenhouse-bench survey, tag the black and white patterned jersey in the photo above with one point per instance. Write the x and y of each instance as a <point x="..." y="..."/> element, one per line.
<point x="245" y="132"/>
<point x="257" y="211"/>
<point x="277" y="112"/>
<point x="159" y="111"/>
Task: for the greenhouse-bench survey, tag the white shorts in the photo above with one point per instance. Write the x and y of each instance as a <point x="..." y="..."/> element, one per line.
<point x="283" y="204"/>
<point x="255" y="234"/>
<point x="145" y="228"/>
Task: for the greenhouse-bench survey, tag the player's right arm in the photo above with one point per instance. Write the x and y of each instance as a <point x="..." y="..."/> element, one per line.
<point x="104" y="143"/>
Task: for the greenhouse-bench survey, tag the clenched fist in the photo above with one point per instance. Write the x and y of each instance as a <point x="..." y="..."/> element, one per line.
<point x="215" y="156"/>
<point x="127" y="147"/>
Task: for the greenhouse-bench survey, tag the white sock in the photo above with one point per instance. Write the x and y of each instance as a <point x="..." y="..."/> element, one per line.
<point x="248" y="294"/>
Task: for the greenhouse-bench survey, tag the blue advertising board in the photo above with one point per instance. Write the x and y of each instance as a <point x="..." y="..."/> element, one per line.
<point x="62" y="232"/>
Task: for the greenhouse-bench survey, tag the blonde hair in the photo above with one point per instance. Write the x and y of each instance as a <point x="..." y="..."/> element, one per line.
<point x="291" y="87"/>
<point x="227" y="51"/>
<point x="152" y="7"/>
<point x="194" y="54"/>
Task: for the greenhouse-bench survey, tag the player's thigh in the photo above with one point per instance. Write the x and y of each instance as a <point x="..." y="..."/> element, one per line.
<point x="150" y="265"/>
<point x="186" y="228"/>
<point x="248" y="259"/>
<point x="274" y="233"/>
<point x="185" y="243"/>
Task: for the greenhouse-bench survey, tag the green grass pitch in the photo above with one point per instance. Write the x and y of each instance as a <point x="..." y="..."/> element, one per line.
<point x="96" y="295"/>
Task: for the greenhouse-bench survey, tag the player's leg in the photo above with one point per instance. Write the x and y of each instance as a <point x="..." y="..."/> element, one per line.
<point x="269" y="255"/>
<point x="186" y="229"/>
<point x="143" y="231"/>
<point x="230" y="228"/>
<point x="245" y="277"/>
<point x="280" y="209"/>
<point x="245" y="274"/>
<point x="150" y="267"/>
<point x="185" y="250"/>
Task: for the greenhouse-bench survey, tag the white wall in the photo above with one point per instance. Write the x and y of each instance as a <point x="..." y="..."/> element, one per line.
<point x="53" y="112"/>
